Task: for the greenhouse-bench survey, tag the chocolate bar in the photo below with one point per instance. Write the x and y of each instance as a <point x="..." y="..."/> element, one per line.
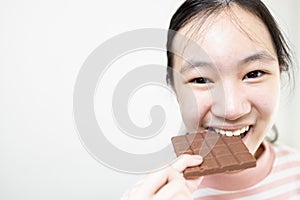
<point x="221" y="153"/>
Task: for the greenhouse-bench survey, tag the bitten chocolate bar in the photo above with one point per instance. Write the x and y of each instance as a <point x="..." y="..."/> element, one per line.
<point x="221" y="153"/>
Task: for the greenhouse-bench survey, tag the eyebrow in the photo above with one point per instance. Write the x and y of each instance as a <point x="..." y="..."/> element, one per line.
<point x="190" y="64"/>
<point x="262" y="55"/>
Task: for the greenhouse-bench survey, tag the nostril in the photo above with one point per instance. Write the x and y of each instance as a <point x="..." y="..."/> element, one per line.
<point x="236" y="111"/>
<point x="231" y="110"/>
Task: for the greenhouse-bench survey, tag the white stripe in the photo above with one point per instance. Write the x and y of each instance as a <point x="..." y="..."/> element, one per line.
<point x="282" y="147"/>
<point x="274" y="192"/>
<point x="297" y="197"/>
<point x="288" y="158"/>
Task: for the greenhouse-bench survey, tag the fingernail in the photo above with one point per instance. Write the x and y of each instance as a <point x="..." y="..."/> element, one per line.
<point x="197" y="157"/>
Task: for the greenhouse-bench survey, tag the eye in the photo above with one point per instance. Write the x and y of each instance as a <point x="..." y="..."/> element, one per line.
<point x="200" y="80"/>
<point x="254" y="74"/>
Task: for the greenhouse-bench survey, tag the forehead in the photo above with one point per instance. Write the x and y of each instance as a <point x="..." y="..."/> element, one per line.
<point x="231" y="15"/>
<point x="232" y="29"/>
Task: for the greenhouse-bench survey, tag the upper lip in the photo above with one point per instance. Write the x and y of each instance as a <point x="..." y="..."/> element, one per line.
<point x="227" y="127"/>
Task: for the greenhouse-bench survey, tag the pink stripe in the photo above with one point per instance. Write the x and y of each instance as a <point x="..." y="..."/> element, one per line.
<point x="255" y="190"/>
<point x="283" y="153"/>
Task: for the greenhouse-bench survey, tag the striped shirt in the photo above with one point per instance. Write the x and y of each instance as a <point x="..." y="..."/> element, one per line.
<point x="276" y="176"/>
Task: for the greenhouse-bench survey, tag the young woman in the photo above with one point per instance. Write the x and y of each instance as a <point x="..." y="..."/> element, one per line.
<point x="232" y="86"/>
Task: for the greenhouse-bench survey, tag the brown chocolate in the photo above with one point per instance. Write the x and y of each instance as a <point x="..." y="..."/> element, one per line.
<point x="221" y="153"/>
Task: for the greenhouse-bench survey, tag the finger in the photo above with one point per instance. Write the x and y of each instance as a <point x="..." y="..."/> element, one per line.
<point x="131" y="190"/>
<point x="185" y="161"/>
<point x="158" y="179"/>
<point x="193" y="184"/>
<point x="154" y="181"/>
<point x="173" y="190"/>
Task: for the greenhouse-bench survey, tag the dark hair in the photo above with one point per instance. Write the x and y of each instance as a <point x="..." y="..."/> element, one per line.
<point x="193" y="8"/>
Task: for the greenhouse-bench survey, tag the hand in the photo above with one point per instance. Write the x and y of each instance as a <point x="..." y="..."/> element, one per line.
<point x="168" y="183"/>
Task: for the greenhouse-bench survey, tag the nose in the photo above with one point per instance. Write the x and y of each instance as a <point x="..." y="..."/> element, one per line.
<point x="230" y="101"/>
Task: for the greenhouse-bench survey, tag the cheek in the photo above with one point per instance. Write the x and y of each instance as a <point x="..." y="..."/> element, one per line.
<point x="265" y="104"/>
<point x="266" y="101"/>
<point x="194" y="106"/>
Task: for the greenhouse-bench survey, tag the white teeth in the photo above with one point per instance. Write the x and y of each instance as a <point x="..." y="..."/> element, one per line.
<point x="229" y="133"/>
<point x="221" y="132"/>
<point x="236" y="133"/>
<point x="232" y="133"/>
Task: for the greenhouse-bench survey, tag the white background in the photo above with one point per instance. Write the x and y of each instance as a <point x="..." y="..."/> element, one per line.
<point x="43" y="45"/>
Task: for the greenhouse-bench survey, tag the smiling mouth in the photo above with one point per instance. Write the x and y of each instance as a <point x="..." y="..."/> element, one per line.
<point x="242" y="132"/>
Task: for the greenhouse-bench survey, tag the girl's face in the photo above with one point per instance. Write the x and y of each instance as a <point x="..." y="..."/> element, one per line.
<point x="235" y="88"/>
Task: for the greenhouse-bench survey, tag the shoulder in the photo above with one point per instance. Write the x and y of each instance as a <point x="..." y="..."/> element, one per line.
<point x="283" y="181"/>
<point x="281" y="150"/>
<point x="285" y="156"/>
